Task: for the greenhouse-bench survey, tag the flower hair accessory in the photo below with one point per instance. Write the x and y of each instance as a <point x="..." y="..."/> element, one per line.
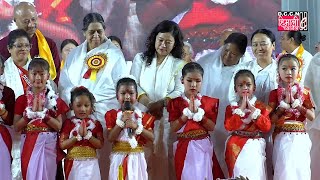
<point x="300" y="60"/>
<point x="126" y="76"/>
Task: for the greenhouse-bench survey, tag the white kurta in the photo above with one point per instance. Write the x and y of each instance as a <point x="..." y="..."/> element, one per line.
<point x="216" y="81"/>
<point x="306" y="56"/>
<point x="103" y="88"/>
<point x="313" y="128"/>
<point x="159" y="82"/>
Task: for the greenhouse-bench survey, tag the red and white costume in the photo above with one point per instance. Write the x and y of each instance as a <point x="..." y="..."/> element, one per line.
<point x="245" y="149"/>
<point x="127" y="160"/>
<point x="193" y="152"/>
<point x="39" y="153"/>
<point x="7" y="102"/>
<point x="81" y="161"/>
<point x="292" y="145"/>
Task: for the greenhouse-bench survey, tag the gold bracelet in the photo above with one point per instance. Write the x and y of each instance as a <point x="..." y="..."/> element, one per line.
<point x="5" y="111"/>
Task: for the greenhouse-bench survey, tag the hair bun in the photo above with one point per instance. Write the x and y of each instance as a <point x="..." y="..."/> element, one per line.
<point x="303" y="37"/>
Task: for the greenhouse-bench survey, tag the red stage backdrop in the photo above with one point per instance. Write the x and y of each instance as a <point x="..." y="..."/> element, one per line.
<point x="202" y="21"/>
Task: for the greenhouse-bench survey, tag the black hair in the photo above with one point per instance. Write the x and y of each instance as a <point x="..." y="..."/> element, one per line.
<point x="92" y="18"/>
<point x="192" y="67"/>
<point x="297" y="37"/>
<point x="239" y="39"/>
<point x="39" y="62"/>
<point x="165" y="26"/>
<point x="2" y="61"/>
<point x="244" y="72"/>
<point x="82" y="91"/>
<point x="266" y="32"/>
<point x="286" y="57"/>
<point x="15" y="34"/>
<point x="115" y="38"/>
<point x="68" y="41"/>
<point x="127" y="82"/>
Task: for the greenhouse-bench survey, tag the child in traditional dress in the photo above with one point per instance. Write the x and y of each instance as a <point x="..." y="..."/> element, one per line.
<point x="128" y="129"/>
<point x="191" y="116"/>
<point x="38" y="115"/>
<point x="291" y="105"/>
<point x="81" y="135"/>
<point x="7" y="100"/>
<point x="247" y="118"/>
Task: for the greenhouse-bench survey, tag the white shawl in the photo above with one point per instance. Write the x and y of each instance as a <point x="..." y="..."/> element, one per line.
<point x="12" y="78"/>
<point x="103" y="88"/>
<point x="158" y="82"/>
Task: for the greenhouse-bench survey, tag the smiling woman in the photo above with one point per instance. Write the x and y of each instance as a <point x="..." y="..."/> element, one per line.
<point x="95" y="64"/>
<point x="16" y="66"/>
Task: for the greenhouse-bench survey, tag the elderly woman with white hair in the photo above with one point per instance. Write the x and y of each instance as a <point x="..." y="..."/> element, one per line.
<point x="188" y="53"/>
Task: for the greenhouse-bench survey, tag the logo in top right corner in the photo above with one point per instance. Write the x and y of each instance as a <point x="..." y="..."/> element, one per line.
<point x="292" y="20"/>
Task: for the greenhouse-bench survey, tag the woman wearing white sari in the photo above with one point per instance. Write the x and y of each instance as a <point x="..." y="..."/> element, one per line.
<point x="158" y="74"/>
<point x="219" y="67"/>
<point x="95" y="64"/>
<point x="313" y="128"/>
<point x="15" y="76"/>
<point x="16" y="66"/>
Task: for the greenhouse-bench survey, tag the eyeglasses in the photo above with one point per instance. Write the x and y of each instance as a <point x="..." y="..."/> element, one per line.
<point x="20" y="46"/>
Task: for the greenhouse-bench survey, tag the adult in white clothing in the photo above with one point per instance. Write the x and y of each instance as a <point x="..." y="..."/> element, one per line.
<point x="264" y="69"/>
<point x="16" y="66"/>
<point x="219" y="67"/>
<point x="158" y="74"/>
<point x="291" y="42"/>
<point x="95" y="64"/>
<point x="313" y="128"/>
<point x="15" y="76"/>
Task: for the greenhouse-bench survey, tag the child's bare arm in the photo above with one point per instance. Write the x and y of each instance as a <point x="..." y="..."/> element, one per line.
<point x="308" y="113"/>
<point x="114" y="133"/>
<point x="55" y="123"/>
<point x="98" y="141"/>
<point x="19" y="123"/>
<point x="178" y="123"/>
<point x="65" y="142"/>
<point x="207" y="123"/>
<point x="148" y="134"/>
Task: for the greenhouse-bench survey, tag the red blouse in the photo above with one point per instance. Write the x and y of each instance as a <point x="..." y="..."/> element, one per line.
<point x="209" y="105"/>
<point x="274" y="103"/>
<point x="22" y="102"/>
<point x="68" y="125"/>
<point x="147" y="122"/>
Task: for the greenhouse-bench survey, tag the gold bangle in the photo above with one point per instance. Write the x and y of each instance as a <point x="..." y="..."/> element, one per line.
<point x="5" y="111"/>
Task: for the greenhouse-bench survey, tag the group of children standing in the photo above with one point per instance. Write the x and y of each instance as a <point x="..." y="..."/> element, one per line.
<point x="39" y="114"/>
